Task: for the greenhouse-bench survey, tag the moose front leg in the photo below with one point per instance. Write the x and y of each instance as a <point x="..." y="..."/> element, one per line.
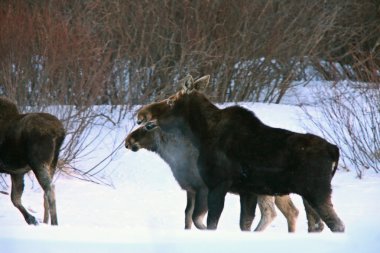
<point x="215" y="205"/>
<point x="189" y="209"/>
<point x="200" y="208"/>
<point x="248" y="202"/>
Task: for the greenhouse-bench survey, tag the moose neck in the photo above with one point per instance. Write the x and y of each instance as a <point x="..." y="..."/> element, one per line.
<point x="200" y="113"/>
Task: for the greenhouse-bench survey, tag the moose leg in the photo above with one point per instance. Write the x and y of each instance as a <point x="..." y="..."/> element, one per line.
<point x="248" y="202"/>
<point x="268" y="212"/>
<point x="314" y="222"/>
<point x="189" y="209"/>
<point x="45" y="181"/>
<point x="16" y="193"/>
<point x="215" y="204"/>
<point x="327" y="213"/>
<point x="287" y="208"/>
<point x="200" y="208"/>
<point x="46" y="210"/>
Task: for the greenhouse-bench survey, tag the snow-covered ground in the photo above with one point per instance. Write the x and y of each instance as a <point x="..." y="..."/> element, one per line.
<point x="143" y="211"/>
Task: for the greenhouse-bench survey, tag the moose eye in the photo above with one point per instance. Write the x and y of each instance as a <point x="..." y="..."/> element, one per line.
<point x="150" y="125"/>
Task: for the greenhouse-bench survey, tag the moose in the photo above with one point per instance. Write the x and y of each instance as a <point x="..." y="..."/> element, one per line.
<point x="181" y="155"/>
<point x="239" y="153"/>
<point x="30" y="142"/>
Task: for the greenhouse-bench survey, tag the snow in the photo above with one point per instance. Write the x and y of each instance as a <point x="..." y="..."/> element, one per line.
<point x="143" y="210"/>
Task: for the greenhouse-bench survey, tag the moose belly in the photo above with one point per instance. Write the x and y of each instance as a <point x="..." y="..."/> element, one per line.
<point x="13" y="170"/>
<point x="269" y="183"/>
<point x="13" y="166"/>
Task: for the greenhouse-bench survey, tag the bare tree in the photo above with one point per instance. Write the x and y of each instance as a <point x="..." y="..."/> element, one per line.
<point x="124" y="52"/>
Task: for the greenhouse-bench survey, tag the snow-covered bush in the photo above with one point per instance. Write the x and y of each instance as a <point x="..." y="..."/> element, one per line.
<point x="348" y="114"/>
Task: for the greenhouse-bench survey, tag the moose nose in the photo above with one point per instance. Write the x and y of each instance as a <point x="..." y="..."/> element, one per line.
<point x="134" y="148"/>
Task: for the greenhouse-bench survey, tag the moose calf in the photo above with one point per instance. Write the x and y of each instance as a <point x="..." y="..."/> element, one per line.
<point x="30" y="142"/>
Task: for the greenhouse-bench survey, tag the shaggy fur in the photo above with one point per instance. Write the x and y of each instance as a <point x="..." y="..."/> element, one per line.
<point x="30" y="142"/>
<point x="181" y="156"/>
<point x="238" y="153"/>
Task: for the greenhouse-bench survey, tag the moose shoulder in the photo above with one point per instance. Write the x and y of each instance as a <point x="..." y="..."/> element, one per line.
<point x="237" y="152"/>
<point x="30" y="141"/>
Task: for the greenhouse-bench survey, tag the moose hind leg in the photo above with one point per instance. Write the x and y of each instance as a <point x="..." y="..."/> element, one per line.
<point x="46" y="210"/>
<point x="189" y="209"/>
<point x="200" y="208"/>
<point x="268" y="211"/>
<point x="248" y="202"/>
<point x="286" y="206"/>
<point x="16" y="193"/>
<point x="314" y="222"/>
<point x="45" y="180"/>
<point x="327" y="213"/>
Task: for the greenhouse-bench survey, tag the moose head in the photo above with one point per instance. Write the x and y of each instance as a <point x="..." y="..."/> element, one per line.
<point x="167" y="109"/>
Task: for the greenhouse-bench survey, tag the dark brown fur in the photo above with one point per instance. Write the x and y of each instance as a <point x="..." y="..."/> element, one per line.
<point x="181" y="156"/>
<point x="238" y="153"/>
<point x="30" y="142"/>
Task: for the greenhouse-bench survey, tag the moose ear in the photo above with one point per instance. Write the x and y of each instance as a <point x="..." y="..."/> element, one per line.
<point x="187" y="84"/>
<point x="201" y="83"/>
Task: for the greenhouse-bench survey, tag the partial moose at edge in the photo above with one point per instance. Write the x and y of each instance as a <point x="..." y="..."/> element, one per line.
<point x="30" y="141"/>
<point x="239" y="153"/>
<point x="181" y="156"/>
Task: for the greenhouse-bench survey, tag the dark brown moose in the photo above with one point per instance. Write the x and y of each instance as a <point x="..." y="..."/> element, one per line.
<point x="238" y="153"/>
<point x="30" y="142"/>
<point x="181" y="155"/>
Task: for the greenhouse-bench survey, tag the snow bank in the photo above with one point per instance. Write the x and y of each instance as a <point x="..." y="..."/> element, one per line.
<point x="144" y="211"/>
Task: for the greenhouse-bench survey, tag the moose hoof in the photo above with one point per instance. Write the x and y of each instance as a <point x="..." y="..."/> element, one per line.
<point x="338" y="228"/>
<point x="318" y="227"/>
<point x="32" y="221"/>
<point x="201" y="227"/>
